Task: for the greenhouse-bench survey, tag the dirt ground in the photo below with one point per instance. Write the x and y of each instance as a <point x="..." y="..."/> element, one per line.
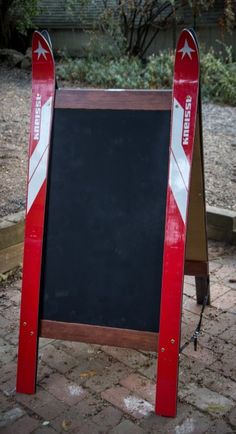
<point x="219" y="123"/>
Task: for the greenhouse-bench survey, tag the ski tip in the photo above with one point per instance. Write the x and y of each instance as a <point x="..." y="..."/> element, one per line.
<point x="41" y="49"/>
<point x="187" y="55"/>
<point x="189" y="37"/>
<point x="192" y="31"/>
<point x="46" y="35"/>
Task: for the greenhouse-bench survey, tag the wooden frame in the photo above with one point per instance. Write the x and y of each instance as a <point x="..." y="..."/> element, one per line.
<point x="105" y="99"/>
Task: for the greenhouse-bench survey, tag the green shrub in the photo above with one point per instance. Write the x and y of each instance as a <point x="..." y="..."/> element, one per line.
<point x="158" y="72"/>
<point x="219" y="77"/>
<point x="117" y="73"/>
<point x="218" y="73"/>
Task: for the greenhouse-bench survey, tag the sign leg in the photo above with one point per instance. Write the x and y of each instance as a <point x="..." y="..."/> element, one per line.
<point x="202" y="289"/>
<point x="42" y="103"/>
<point x="27" y="361"/>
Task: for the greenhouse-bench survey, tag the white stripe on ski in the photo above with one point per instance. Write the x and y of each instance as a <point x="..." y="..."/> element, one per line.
<point x="178" y="187"/>
<point x="44" y="136"/>
<point x="176" y="141"/>
<point x="37" y="179"/>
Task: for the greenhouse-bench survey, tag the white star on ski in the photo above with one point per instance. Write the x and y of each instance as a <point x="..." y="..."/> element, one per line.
<point x="186" y="50"/>
<point x="41" y="51"/>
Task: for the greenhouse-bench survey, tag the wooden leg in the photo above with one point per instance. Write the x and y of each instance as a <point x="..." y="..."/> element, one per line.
<point x="202" y="288"/>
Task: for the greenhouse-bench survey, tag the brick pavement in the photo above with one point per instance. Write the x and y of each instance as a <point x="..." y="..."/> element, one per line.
<point x="93" y="389"/>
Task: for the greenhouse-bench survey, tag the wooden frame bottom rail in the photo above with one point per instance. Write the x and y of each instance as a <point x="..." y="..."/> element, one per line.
<point x="93" y="334"/>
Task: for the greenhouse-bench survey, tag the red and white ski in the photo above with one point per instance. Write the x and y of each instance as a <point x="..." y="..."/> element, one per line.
<point x="43" y="93"/>
<point x="184" y="112"/>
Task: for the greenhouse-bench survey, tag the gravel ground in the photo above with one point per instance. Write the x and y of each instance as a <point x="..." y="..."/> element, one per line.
<point x="219" y="123"/>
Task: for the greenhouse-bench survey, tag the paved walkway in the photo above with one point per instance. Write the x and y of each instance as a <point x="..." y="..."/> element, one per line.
<point x="90" y="389"/>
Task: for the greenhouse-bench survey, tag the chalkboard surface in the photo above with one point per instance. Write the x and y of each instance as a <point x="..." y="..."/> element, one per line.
<point x="105" y="216"/>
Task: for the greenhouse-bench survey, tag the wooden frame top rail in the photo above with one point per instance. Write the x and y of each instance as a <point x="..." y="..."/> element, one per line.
<point x="112" y="99"/>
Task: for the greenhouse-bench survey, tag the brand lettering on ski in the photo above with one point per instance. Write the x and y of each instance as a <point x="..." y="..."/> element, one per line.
<point x="187" y="118"/>
<point x="179" y="164"/>
<point x="37" y="116"/>
<point x="39" y="157"/>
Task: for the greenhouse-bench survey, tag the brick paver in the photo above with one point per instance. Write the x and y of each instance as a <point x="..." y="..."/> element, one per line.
<point x="207" y="400"/>
<point x="64" y="389"/>
<point x="225" y="301"/>
<point x="140" y="386"/>
<point x="127" y="427"/>
<point x="83" y="388"/>
<point x="232" y="417"/>
<point x="43" y="404"/>
<point x="188" y="421"/>
<point x="25" y="425"/>
<point x="108" y="418"/>
<point x="57" y="358"/>
<point x="129" y="403"/>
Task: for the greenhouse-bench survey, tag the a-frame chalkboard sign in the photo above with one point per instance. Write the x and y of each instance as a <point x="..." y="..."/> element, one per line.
<point x="111" y="174"/>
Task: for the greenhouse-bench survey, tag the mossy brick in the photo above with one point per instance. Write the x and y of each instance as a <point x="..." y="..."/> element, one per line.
<point x="206" y="400"/>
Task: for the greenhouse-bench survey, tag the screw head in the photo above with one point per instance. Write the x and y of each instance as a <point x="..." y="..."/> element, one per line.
<point x="24" y="323"/>
<point x="162" y="350"/>
<point x="172" y="341"/>
<point x="31" y="333"/>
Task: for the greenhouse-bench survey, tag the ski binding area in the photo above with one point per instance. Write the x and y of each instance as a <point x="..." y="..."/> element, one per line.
<point x="115" y="195"/>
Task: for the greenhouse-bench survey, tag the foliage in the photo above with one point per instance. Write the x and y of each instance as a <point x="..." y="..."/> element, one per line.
<point x="158" y="72"/>
<point x="227" y="21"/>
<point x="218" y="73"/>
<point x="118" y="73"/>
<point x="16" y="15"/>
<point x="133" y="25"/>
<point x="219" y="77"/>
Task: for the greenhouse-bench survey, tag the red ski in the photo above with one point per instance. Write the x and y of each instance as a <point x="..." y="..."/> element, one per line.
<point x="184" y="112"/>
<point x="43" y="92"/>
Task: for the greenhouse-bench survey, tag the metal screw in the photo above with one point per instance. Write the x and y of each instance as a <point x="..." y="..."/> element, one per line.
<point x="31" y="333"/>
<point x="162" y="350"/>
<point x="172" y="341"/>
<point x="24" y="323"/>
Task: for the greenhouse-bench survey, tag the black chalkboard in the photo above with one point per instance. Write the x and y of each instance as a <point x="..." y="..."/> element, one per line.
<point x="105" y="216"/>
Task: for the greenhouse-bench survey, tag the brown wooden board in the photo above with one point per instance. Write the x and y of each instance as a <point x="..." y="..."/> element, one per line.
<point x="99" y="335"/>
<point x="102" y="99"/>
